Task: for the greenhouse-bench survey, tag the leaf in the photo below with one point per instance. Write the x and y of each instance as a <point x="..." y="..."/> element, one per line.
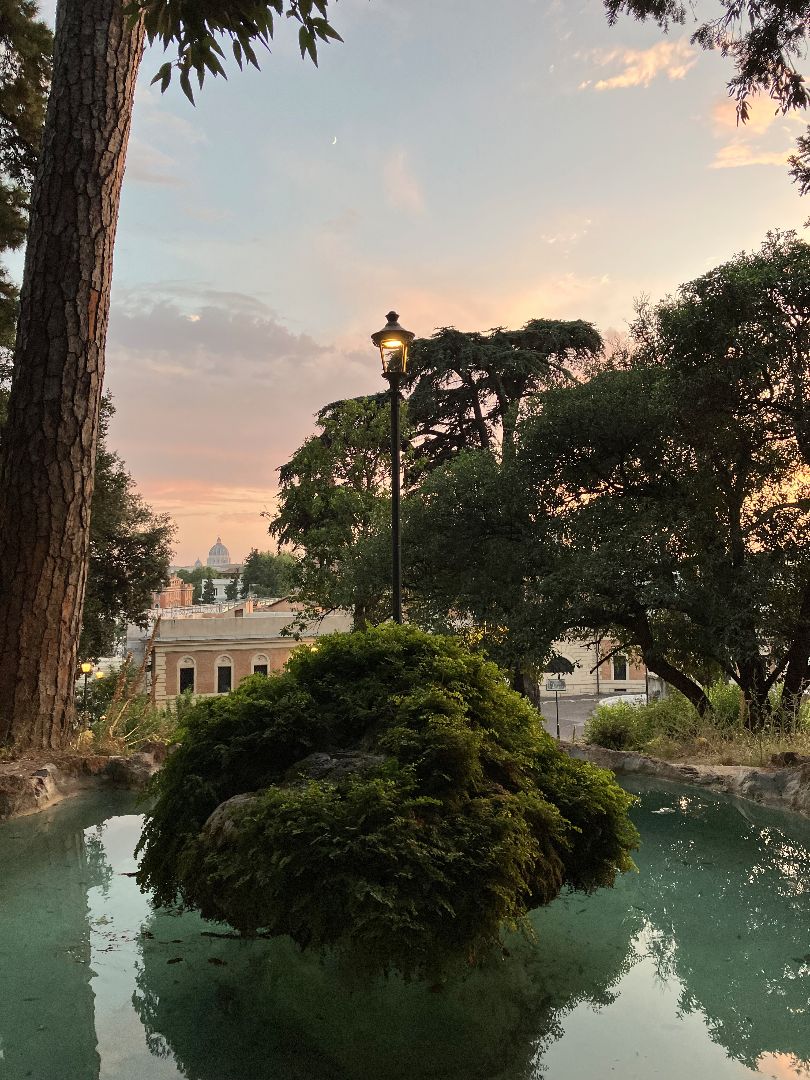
<point x="185" y="85"/>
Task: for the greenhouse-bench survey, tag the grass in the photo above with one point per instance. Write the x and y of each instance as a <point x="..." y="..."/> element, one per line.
<point x="117" y="718"/>
<point x="672" y="729"/>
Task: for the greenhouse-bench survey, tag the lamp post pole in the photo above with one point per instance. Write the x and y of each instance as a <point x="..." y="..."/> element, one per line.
<point x="393" y="343"/>
<point x="87" y="667"/>
<point x="396" y="467"/>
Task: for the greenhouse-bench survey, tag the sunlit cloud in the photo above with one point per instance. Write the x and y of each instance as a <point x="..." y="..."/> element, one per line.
<point x="738" y="155"/>
<point x="640" y="67"/>
<point x="761" y="116"/>
<point x="401" y="186"/>
<point x="783" y="1067"/>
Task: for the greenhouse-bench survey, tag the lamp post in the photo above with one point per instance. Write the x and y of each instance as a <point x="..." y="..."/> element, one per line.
<point x="393" y="343"/>
<point x="87" y="667"/>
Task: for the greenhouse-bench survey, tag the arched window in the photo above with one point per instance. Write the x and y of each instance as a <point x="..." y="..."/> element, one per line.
<point x="261" y="665"/>
<point x="186" y="674"/>
<point x="224" y="674"/>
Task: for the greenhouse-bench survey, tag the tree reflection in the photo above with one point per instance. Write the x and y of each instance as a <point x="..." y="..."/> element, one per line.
<point x="47" y="865"/>
<point x="727" y="887"/>
<point x="262" y="1009"/>
<point x="722" y="897"/>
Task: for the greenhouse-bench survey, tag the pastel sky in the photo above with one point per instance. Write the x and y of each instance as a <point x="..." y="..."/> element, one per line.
<point x="466" y="162"/>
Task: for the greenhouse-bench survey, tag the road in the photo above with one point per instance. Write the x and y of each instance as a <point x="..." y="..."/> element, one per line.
<point x="574" y="711"/>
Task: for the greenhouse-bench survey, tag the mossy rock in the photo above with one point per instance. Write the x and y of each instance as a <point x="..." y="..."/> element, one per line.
<point x="397" y="803"/>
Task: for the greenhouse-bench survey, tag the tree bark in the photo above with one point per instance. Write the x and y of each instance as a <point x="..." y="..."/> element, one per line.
<point x="49" y="443"/>
<point x="797" y="670"/>
<point x="657" y="662"/>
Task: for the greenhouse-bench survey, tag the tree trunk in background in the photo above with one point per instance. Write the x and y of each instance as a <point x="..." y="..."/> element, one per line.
<point x="49" y="443"/>
<point x="797" y="670"/>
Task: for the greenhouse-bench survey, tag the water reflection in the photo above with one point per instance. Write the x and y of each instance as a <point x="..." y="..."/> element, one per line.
<point x="697" y="965"/>
<point x="727" y="888"/>
<point x="47" y="866"/>
<point x="263" y="1010"/>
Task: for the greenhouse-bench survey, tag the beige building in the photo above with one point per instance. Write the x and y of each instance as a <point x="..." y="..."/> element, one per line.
<point x="210" y="652"/>
<point x="619" y="674"/>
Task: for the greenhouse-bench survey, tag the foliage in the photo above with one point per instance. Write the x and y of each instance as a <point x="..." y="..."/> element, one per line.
<point x="459" y="815"/>
<point x="472" y="556"/>
<point x="117" y="717"/>
<point x="25" y="69"/>
<point x="470" y="390"/>
<point x="130" y="551"/>
<point x="677" y="491"/>
<point x="334" y="509"/>
<point x="232" y="588"/>
<point x="672" y="728"/>
<point x="268" y="574"/>
<point x="197" y="577"/>
<point x="763" y="38"/>
<point x="208" y="595"/>
<point x="195" y="28"/>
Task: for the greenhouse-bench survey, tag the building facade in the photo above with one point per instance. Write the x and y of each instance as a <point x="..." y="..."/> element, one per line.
<point x="177" y="594"/>
<point x="593" y="676"/>
<point x="209" y="653"/>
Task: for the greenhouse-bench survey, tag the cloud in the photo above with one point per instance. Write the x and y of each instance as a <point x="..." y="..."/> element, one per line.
<point x="640" y="67"/>
<point x="737" y="155"/>
<point x="148" y="165"/>
<point x="568" y="234"/>
<point x="161" y="143"/>
<point x="761" y="116"/>
<point x="401" y="186"/>
<point x="214" y="391"/>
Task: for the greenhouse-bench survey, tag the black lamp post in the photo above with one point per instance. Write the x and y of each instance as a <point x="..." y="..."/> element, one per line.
<point x="87" y="667"/>
<point x="393" y="343"/>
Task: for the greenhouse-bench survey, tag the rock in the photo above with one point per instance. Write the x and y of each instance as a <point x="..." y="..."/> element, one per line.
<point x="786" y="788"/>
<point x="336" y="766"/>
<point x="220" y="825"/>
<point x="158" y="751"/>
<point x="134" y="771"/>
<point x="787" y="758"/>
<point x="26" y="788"/>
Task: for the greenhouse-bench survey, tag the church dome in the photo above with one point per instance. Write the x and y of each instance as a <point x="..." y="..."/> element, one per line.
<point x="219" y="556"/>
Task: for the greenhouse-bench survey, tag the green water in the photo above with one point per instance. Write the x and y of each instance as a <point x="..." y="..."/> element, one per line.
<point x="696" y="967"/>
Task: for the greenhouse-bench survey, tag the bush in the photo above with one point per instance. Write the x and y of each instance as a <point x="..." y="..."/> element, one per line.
<point x="397" y="803"/>
<point x="633" y="727"/>
<point x="672" y="727"/>
<point x="617" y="727"/>
<point x="726" y="702"/>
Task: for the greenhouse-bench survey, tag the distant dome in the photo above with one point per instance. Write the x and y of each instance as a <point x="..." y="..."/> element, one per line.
<point x="219" y="555"/>
<point x="197" y="564"/>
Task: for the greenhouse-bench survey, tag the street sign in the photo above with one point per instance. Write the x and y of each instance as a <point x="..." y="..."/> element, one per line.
<point x="557" y="685"/>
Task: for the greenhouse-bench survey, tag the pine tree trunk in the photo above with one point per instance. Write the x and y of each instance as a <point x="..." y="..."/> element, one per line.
<point x="49" y="443"/>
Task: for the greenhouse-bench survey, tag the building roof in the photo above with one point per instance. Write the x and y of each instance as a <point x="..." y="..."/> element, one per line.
<point x="219" y="554"/>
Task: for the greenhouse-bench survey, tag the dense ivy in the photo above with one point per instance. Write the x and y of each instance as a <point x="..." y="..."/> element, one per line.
<point x="463" y="816"/>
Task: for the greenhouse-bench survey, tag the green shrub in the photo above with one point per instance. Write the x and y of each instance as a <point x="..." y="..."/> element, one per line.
<point x="624" y="726"/>
<point x="446" y="812"/>
<point x="617" y="727"/>
<point x="726" y="699"/>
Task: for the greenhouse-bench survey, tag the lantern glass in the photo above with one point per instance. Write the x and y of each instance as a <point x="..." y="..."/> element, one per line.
<point x="393" y="342"/>
<point x="87" y="667"/>
<point x="394" y="357"/>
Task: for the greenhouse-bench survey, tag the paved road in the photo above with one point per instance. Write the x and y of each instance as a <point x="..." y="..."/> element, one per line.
<point x="574" y="711"/>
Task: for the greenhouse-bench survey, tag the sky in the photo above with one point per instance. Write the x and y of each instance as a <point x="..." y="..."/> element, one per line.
<point x="466" y="163"/>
